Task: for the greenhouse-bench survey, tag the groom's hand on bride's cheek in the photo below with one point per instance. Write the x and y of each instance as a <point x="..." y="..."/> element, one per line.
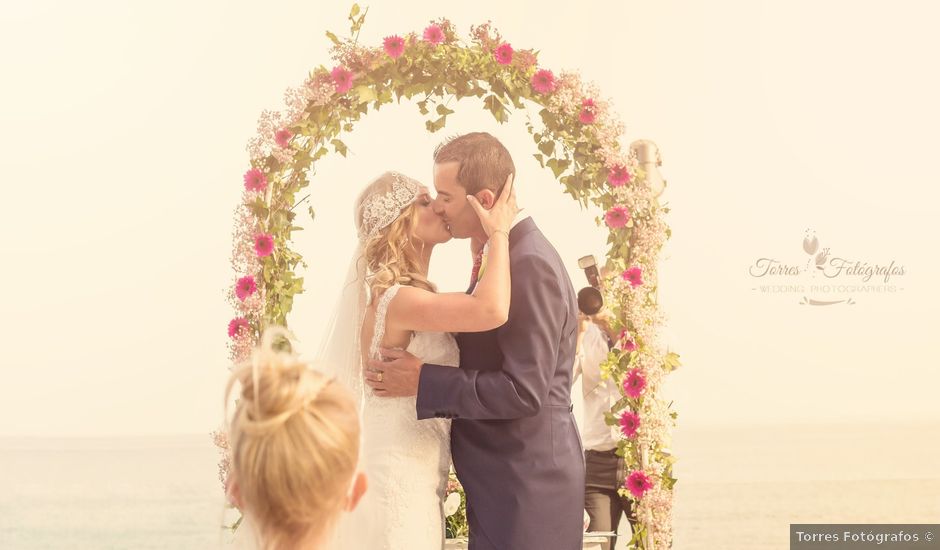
<point x="396" y="376"/>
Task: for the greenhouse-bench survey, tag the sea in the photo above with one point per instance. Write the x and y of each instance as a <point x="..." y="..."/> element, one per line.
<point x="739" y="487"/>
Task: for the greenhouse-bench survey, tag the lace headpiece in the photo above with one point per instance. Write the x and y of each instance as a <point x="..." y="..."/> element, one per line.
<point x="381" y="209"/>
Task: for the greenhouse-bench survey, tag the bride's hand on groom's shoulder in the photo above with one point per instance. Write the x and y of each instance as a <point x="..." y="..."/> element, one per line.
<point x="396" y="376"/>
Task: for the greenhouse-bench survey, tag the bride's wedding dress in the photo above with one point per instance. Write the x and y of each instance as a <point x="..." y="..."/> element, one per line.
<point x="406" y="460"/>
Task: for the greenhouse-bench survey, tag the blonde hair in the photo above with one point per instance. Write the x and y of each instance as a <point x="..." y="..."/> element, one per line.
<point x="294" y="441"/>
<point x="391" y="256"/>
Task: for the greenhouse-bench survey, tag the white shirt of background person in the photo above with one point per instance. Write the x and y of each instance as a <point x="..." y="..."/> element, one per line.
<point x="599" y="395"/>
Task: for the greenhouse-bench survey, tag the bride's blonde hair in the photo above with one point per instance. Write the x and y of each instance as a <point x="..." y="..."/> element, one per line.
<point x="391" y="256"/>
<point x="294" y="441"/>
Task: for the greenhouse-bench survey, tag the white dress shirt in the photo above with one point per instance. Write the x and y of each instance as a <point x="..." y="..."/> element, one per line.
<point x="599" y="395"/>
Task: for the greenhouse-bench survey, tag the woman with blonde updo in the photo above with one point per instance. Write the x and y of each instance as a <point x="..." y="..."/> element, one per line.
<point x="294" y="440"/>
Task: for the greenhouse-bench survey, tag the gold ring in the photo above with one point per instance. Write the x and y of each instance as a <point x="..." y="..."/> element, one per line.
<point x="379" y="377"/>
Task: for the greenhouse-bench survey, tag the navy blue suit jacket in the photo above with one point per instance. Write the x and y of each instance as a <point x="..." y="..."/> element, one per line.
<point x="515" y="445"/>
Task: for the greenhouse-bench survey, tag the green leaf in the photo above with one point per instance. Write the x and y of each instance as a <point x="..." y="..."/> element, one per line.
<point x="423" y="107"/>
<point x="558" y="166"/>
<point x="365" y="93"/>
<point x="340" y="147"/>
<point x="547" y="147"/>
<point x="671" y="361"/>
<point x="444" y="111"/>
<point x="435" y="125"/>
<point x="495" y="106"/>
<point x="354" y="11"/>
<point x="333" y="38"/>
<point x="610" y="419"/>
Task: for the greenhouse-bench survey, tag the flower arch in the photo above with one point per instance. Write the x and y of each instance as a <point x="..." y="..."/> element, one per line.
<point x="577" y="137"/>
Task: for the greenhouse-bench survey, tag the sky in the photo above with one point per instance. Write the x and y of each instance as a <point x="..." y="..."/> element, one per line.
<point x="123" y="129"/>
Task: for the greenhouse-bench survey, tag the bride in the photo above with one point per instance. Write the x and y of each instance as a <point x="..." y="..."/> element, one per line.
<point x="407" y="461"/>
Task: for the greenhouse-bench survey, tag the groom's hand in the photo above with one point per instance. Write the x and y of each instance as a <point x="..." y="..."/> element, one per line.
<point x="397" y="376"/>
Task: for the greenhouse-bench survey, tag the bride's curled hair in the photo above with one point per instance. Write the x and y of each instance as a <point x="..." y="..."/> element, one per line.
<point x="392" y="255"/>
<point x="294" y="440"/>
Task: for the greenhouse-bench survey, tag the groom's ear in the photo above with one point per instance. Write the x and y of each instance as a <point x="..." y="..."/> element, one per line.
<point x="487" y="198"/>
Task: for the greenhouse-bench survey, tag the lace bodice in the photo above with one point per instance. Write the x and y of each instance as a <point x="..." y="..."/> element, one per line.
<point x="406" y="459"/>
<point x="439" y="348"/>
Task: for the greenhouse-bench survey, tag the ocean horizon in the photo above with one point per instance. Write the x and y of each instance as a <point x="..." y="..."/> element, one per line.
<point x="739" y="487"/>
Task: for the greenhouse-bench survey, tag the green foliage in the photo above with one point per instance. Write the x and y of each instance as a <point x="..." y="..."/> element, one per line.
<point x="436" y="78"/>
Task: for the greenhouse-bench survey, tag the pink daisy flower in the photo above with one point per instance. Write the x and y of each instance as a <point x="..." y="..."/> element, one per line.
<point x="282" y="137"/>
<point x="255" y="180"/>
<point x="618" y="175"/>
<point x="264" y="245"/>
<point x="617" y="217"/>
<point x="503" y="54"/>
<point x="236" y="325"/>
<point x="543" y="81"/>
<point x="634" y="276"/>
<point x="629" y="422"/>
<point x="245" y="287"/>
<point x="634" y="383"/>
<point x="394" y="46"/>
<point x="587" y="112"/>
<point x="638" y="483"/>
<point x="434" y="34"/>
<point x="525" y="58"/>
<point x="343" y="79"/>
<point x="626" y="343"/>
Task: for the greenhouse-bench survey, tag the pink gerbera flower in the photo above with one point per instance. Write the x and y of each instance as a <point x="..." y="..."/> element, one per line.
<point x="638" y="483"/>
<point x="434" y="34"/>
<point x="629" y="422"/>
<point x="588" y="111"/>
<point x="626" y="342"/>
<point x="503" y="54"/>
<point x="255" y="180"/>
<point x="543" y="81"/>
<point x="617" y="217"/>
<point x="634" y="383"/>
<point x="525" y="58"/>
<point x="282" y="137"/>
<point x="343" y="79"/>
<point x="634" y="276"/>
<point x="245" y="287"/>
<point x="618" y="175"/>
<point x="264" y="245"/>
<point x="236" y="325"/>
<point x="394" y="46"/>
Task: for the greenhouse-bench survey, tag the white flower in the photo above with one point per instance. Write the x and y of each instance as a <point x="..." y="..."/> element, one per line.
<point x="451" y="504"/>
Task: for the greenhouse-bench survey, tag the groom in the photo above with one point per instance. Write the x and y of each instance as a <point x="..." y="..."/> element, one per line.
<point x="514" y="442"/>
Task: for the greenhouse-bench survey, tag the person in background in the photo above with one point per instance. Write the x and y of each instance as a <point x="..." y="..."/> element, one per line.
<point x="604" y="469"/>
<point x="294" y="441"/>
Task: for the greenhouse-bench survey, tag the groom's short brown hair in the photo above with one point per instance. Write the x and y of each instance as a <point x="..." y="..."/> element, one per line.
<point x="485" y="163"/>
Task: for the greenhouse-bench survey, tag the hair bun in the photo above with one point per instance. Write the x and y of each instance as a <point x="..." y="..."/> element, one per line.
<point x="276" y="384"/>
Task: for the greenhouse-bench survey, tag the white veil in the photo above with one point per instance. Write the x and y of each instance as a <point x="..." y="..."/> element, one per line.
<point x="339" y="352"/>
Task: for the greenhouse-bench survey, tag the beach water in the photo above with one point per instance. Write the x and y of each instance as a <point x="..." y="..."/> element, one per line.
<point x="739" y="488"/>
